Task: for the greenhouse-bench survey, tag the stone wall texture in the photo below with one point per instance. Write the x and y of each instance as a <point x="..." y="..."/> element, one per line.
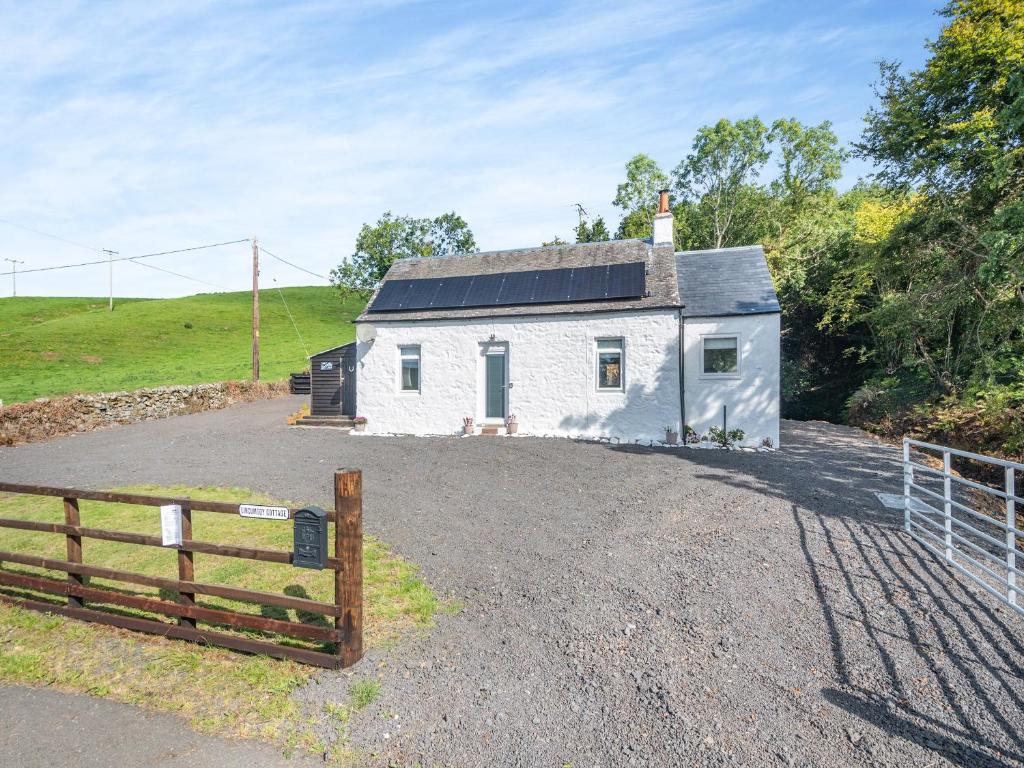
<point x="50" y="417"/>
<point x="750" y="399"/>
<point x="552" y="366"/>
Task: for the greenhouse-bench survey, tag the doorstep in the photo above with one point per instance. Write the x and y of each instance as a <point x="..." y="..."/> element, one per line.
<point x="492" y="431"/>
<point x="343" y="423"/>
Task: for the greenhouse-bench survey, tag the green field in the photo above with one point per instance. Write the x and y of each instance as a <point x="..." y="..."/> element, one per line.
<point x="57" y="346"/>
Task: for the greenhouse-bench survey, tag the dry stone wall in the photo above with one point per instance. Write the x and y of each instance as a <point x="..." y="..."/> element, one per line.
<point x="51" y="417"/>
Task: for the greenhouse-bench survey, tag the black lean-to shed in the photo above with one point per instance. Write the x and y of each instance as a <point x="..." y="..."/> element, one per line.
<point x="332" y="378"/>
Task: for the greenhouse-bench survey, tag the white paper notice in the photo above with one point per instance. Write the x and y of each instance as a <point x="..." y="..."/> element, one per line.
<point x="170" y="525"/>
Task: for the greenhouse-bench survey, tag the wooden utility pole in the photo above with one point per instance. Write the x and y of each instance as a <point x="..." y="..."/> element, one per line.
<point x="255" y="310"/>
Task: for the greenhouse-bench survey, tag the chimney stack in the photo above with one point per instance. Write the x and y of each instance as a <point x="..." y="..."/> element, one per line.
<point x="663" y="222"/>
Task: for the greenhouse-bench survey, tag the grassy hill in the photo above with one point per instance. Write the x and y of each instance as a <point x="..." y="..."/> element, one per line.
<point x="55" y="346"/>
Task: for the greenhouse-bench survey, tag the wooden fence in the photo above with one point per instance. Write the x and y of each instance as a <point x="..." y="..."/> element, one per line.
<point x="347" y="564"/>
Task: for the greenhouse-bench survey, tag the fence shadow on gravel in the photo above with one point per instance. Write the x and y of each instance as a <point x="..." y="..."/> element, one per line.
<point x="915" y="651"/>
<point x="952" y="678"/>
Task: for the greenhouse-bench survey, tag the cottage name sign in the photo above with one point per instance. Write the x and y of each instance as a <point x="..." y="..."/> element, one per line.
<point x="263" y="513"/>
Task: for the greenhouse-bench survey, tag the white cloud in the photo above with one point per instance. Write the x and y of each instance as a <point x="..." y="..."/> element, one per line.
<point x="151" y="126"/>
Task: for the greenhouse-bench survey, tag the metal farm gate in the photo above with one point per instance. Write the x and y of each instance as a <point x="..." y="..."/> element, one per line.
<point x="970" y="525"/>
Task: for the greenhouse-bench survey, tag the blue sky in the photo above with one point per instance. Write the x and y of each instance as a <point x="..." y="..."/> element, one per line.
<point x="150" y="126"/>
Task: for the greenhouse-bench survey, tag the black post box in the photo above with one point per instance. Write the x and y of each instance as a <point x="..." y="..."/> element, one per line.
<point x="310" y="531"/>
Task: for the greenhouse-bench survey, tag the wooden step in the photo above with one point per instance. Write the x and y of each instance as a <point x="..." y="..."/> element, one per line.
<point x="341" y="422"/>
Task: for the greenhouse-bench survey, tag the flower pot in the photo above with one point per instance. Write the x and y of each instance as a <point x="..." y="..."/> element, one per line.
<point x="359" y="427"/>
<point x="512" y="428"/>
<point x="671" y="438"/>
<point x="467" y="429"/>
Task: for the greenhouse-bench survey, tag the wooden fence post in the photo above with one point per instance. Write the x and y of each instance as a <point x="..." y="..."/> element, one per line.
<point x="186" y="567"/>
<point x="72" y="516"/>
<point x="348" y="548"/>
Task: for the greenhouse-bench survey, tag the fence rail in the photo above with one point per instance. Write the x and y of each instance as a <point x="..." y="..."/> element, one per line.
<point x="976" y="543"/>
<point x="347" y="564"/>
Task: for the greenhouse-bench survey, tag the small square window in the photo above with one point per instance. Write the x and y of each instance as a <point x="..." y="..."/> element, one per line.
<point x="721" y="355"/>
<point x="410" y="374"/>
<point x="609" y="364"/>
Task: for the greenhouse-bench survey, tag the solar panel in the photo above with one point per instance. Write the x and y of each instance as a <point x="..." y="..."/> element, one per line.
<point x="589" y="283"/>
<point x="552" y="285"/>
<point x="390" y="296"/>
<point x="421" y="293"/>
<point x="626" y="280"/>
<point x="517" y="288"/>
<point x="546" y="286"/>
<point x="452" y="291"/>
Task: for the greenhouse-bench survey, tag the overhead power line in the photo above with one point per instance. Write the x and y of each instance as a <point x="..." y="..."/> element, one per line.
<point x="176" y="274"/>
<point x="131" y="258"/>
<point x="296" y="266"/>
<point x="286" y="309"/>
<point x="50" y="235"/>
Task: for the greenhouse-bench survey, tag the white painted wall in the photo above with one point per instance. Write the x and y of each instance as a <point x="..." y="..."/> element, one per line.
<point x="752" y="396"/>
<point x="552" y="366"/>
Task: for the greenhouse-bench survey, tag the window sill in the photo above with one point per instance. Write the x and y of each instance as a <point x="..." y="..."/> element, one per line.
<point x="720" y="376"/>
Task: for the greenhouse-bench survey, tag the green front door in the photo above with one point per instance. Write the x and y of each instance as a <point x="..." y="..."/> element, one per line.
<point x="495" y="386"/>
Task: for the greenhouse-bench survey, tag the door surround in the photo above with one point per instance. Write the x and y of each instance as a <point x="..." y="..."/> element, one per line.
<point x="493" y="376"/>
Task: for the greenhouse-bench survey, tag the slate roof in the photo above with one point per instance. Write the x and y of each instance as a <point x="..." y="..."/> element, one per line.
<point x="725" y="281"/>
<point x="662" y="286"/>
<point x="710" y="283"/>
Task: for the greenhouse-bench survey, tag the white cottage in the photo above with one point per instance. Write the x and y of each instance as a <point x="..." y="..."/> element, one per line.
<point x="611" y="339"/>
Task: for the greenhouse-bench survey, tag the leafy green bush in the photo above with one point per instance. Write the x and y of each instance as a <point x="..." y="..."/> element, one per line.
<point x="726" y="439"/>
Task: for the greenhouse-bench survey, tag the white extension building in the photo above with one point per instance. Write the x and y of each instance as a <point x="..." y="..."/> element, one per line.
<point x="611" y="339"/>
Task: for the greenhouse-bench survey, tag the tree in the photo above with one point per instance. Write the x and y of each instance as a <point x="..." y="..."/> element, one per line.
<point x="638" y="196"/>
<point x="720" y="171"/>
<point x="810" y="163"/>
<point x="803" y="211"/>
<point x="556" y="241"/>
<point x="635" y="224"/>
<point x="946" y="293"/>
<point x="592" y="233"/>
<point x="399" y="237"/>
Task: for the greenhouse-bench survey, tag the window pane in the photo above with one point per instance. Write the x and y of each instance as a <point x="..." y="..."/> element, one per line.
<point x="609" y="363"/>
<point x="729" y="343"/>
<point x="411" y="375"/>
<point x="609" y="370"/>
<point x="720" y="356"/>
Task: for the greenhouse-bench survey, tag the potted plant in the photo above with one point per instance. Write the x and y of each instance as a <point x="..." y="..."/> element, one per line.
<point x="359" y="423"/>
<point x="511" y="425"/>
<point x="467" y="425"/>
<point x="671" y="436"/>
<point x="690" y="435"/>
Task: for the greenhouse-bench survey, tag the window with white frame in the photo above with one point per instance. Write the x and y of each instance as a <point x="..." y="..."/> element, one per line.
<point x="720" y="356"/>
<point x="409" y="379"/>
<point x="610" y="360"/>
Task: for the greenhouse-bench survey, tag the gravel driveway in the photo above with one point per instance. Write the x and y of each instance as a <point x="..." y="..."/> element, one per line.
<point x="629" y="606"/>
